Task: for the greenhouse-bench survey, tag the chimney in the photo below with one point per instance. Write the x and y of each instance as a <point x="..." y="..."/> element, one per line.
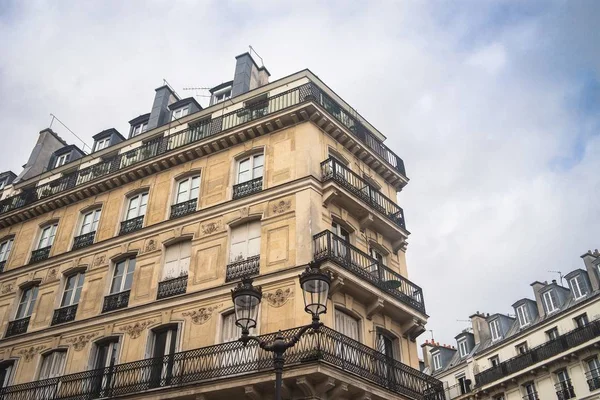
<point x="48" y="142"/>
<point x="481" y="329"/>
<point x="427" y="359"/>
<point x="160" y="108"/>
<point x="248" y="75"/>
<point x="537" y="286"/>
<point x="592" y="269"/>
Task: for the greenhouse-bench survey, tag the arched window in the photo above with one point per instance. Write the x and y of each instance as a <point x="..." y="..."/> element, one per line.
<point x="105" y="355"/>
<point x="6" y="372"/>
<point x="120" y="285"/>
<point x="53" y="364"/>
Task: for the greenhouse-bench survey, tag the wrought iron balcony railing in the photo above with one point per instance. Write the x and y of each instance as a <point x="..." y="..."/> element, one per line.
<point x="531" y="396"/>
<point x="64" y="314"/>
<point x="223" y="361"/>
<point x="17" y="327"/>
<point x="85" y="240"/>
<point x="593" y="379"/>
<point x="2" y="265"/>
<point x="247" y="188"/>
<point x="331" y="169"/>
<point x="542" y="352"/>
<point x="116" y="301"/>
<point x="329" y="246"/>
<point x="243" y="268"/>
<point x="172" y="287"/>
<point x="565" y="390"/>
<point x="131" y="225"/>
<point x="457" y="390"/>
<point x="204" y="129"/>
<point x="40" y="254"/>
<point x="184" y="208"/>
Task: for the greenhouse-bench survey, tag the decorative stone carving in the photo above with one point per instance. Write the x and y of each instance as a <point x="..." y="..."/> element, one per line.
<point x="281" y="206"/>
<point x="51" y="275"/>
<point x="79" y="342"/>
<point x="278" y="297"/>
<point x="210" y="227"/>
<point x="244" y="212"/>
<point x="202" y="315"/>
<point x="151" y="245"/>
<point x="134" y="331"/>
<point x="29" y="353"/>
<point x="7" y="288"/>
<point x="99" y="260"/>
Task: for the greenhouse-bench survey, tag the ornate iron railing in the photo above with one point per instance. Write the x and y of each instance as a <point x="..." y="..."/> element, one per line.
<point x="116" y="301"/>
<point x="230" y="359"/>
<point x="531" y="396"/>
<point x="565" y="390"/>
<point x="40" y="254"/>
<point x="452" y="392"/>
<point x="593" y="379"/>
<point x="172" y="287"/>
<point x="2" y="265"/>
<point x="542" y="352"/>
<point x="243" y="268"/>
<point x="247" y="188"/>
<point x="85" y="240"/>
<point x="17" y="327"/>
<point x="184" y="208"/>
<point x="64" y="314"/>
<point x="331" y="169"/>
<point x="131" y="225"/>
<point x="329" y="246"/>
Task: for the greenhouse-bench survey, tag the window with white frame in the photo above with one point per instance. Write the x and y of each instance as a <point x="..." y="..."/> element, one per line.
<point x="102" y="143"/>
<point x="187" y="189"/>
<point x="581" y="320"/>
<point x="578" y="287"/>
<point x="180" y="112"/>
<point x="495" y="330"/>
<point x="27" y="302"/>
<point x="3" y="183"/>
<point x="463" y="348"/>
<point x="177" y="260"/>
<point x="164" y="346"/>
<point x="593" y="366"/>
<point x="521" y="348"/>
<point x="494" y="361"/>
<point x="89" y="222"/>
<point x="105" y="356"/>
<point x="138" y="129"/>
<point x="552" y="333"/>
<point x="6" y="372"/>
<point x="550" y="301"/>
<point x="62" y="160"/>
<point x="122" y="275"/>
<point x="378" y="255"/>
<point x="437" y="361"/>
<point x="73" y="287"/>
<point x="245" y="241"/>
<point x="385" y="343"/>
<point x="5" y="248"/>
<point x="53" y="364"/>
<point x="530" y="392"/>
<point x="250" y="168"/>
<point x="346" y="324"/>
<point x="136" y="206"/>
<point x="229" y="330"/>
<point x="47" y="236"/>
<point x="222" y="95"/>
<point x="523" y="315"/>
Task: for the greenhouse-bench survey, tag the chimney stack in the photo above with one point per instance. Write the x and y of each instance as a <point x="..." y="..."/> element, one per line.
<point x="427" y="358"/>
<point x="481" y="329"/>
<point x="248" y="75"/>
<point x="588" y="260"/>
<point x="48" y="142"/>
<point x="537" y="286"/>
<point x="160" y="108"/>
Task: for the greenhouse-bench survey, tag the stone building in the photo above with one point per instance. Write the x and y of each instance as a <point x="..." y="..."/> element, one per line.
<point x="117" y="266"/>
<point x="547" y="348"/>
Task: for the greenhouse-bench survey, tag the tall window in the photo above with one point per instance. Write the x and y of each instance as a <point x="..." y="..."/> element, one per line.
<point x="188" y="189"/>
<point x="437" y="361"/>
<point x="578" y="287"/>
<point x="164" y="346"/>
<point x="123" y="276"/>
<point x="593" y="366"/>
<point x="102" y="143"/>
<point x="250" y="168"/>
<point x="495" y="330"/>
<point x="340" y="231"/>
<point x="463" y="348"/>
<point x="47" y="236"/>
<point x="89" y="223"/>
<point x="62" y="160"/>
<point x="6" y="371"/>
<point x="141" y="128"/>
<point x="245" y="241"/>
<point x="385" y="344"/>
<point x="377" y="255"/>
<point x="105" y="356"/>
<point x="73" y="287"/>
<point x="177" y="260"/>
<point x="5" y="248"/>
<point x="180" y="112"/>
<point x="28" y="298"/>
<point x="136" y="207"/>
<point x="464" y="384"/>
<point x="550" y="301"/>
<point x="523" y="315"/>
<point x="530" y="393"/>
<point x="581" y="320"/>
<point x="347" y="325"/>
<point x="53" y="364"/>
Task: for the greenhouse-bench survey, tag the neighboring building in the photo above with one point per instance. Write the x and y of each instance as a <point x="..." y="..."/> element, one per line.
<point x="118" y="265"/>
<point x="549" y="348"/>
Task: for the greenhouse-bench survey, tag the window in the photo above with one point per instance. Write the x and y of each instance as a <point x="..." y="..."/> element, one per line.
<point x="105" y="357"/>
<point x="494" y="361"/>
<point x="377" y="255"/>
<point x="340" y="231"/>
<point x="593" y="373"/>
<point x="385" y="344"/>
<point x="47" y="236"/>
<point x="188" y="189"/>
<point x="231" y="333"/>
<point x="250" y="168"/>
<point x="499" y="397"/>
<point x="102" y="143"/>
<point x="523" y="315"/>
<point x="136" y="206"/>
<point x="581" y="320"/>
<point x="437" y="361"/>
<point x="229" y="330"/>
<point x="346" y="325"/>
<point x="463" y="348"/>
<point x="62" y="160"/>
<point x="73" y="287"/>
<point x="578" y="287"/>
<point x="177" y="260"/>
<point x="180" y="112"/>
<point x="3" y="183"/>
<point x="141" y="128"/>
<point x="530" y="393"/>
<point x="123" y="276"/>
<point x="552" y="333"/>
<point x="222" y="96"/>
<point x="495" y="330"/>
<point x="53" y="364"/>
<point x="164" y="346"/>
<point x="550" y="301"/>
<point x="245" y="241"/>
<point x="564" y="387"/>
<point x="5" y="248"/>
<point x="27" y="302"/>
<point x="89" y="223"/>
<point x="521" y="348"/>
<point x="464" y="384"/>
<point x="6" y="370"/>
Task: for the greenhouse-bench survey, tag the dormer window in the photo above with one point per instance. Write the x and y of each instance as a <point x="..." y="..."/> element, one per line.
<point x="180" y="112"/>
<point x="463" y="348"/>
<point x="139" y="129"/>
<point x="3" y="183"/>
<point x="495" y="330"/>
<point x="578" y="287"/>
<point x="550" y="301"/>
<point x="222" y="96"/>
<point x="102" y="144"/>
<point x="437" y="361"/>
<point x="523" y="316"/>
<point x="62" y="160"/>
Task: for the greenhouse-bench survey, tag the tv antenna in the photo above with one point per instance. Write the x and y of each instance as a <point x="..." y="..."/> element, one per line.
<point x="262" y="64"/>
<point x="560" y="275"/>
<point x="54" y="117"/>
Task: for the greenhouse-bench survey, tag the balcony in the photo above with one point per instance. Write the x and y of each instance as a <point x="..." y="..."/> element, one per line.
<point x="40" y="254"/>
<point x="243" y="268"/>
<point x="184" y="208"/>
<point x="116" y="301"/>
<point x="247" y="188"/>
<point x="330" y="247"/>
<point x="565" y="390"/>
<point x="531" y="396"/>
<point x="457" y="390"/>
<point x="85" y="240"/>
<point x="331" y="169"/>
<point x="17" y="327"/>
<point x="2" y="265"/>
<point x="593" y="379"/>
<point x="64" y="314"/>
<point x="132" y="225"/>
<point x="222" y="362"/>
<point x="540" y="353"/>
<point x="172" y="287"/>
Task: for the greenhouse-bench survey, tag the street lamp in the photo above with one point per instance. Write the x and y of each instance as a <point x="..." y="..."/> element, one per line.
<point x="246" y="300"/>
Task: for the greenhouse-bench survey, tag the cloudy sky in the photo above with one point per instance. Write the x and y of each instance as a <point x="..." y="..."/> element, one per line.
<point x="493" y="105"/>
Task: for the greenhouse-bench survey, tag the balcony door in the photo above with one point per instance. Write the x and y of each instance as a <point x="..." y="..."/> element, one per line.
<point x="340" y="244"/>
<point x="245" y="358"/>
<point x="385" y="345"/>
<point x="89" y="222"/>
<point x="177" y="260"/>
<point x="346" y="325"/>
<point x="47" y="236"/>
<point x="164" y="347"/>
<point x="250" y="168"/>
<point x="137" y="206"/>
<point x="104" y="362"/>
<point x="188" y="189"/>
<point x="245" y="241"/>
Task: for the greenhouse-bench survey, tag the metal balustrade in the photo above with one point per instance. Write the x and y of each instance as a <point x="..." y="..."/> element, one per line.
<point x="243" y="268"/>
<point x="202" y="130"/>
<point x="565" y="390"/>
<point x="172" y="287"/>
<point x="131" y="225"/>
<point x="40" y="254"/>
<point x="183" y="208"/>
<point x="329" y="246"/>
<point x="593" y="379"/>
<point x="531" y="396"/>
<point x="116" y="301"/>
<point x="2" y="265"/>
<point x="247" y="188"/>
<point x="331" y="169"/>
<point x="542" y="352"/>
<point x="452" y="392"/>
<point x="225" y="360"/>
<point x="64" y="314"/>
<point x="17" y="327"/>
<point x="84" y="240"/>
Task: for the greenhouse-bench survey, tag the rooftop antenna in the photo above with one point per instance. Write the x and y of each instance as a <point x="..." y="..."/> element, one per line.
<point x="560" y="275"/>
<point x="262" y="64"/>
<point x="196" y="89"/>
<point x="431" y="330"/>
<point x="54" y="117"/>
<point x="165" y="83"/>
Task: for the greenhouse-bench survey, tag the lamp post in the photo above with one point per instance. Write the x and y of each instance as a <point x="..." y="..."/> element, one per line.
<point x="246" y="300"/>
